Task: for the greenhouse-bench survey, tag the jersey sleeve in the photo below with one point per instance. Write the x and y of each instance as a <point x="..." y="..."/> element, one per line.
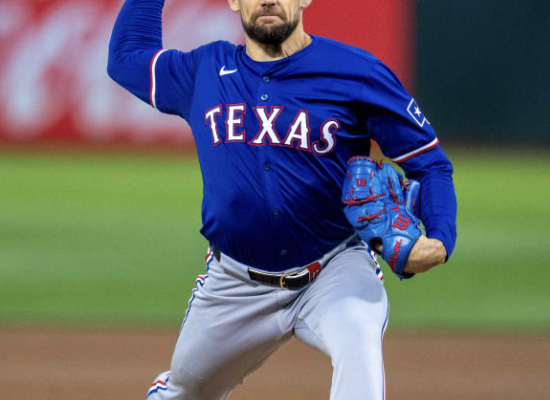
<point x="172" y="81"/>
<point x="139" y="63"/>
<point x="394" y="120"/>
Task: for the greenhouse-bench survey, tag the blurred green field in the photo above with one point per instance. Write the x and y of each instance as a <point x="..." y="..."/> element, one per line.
<point x="114" y="239"/>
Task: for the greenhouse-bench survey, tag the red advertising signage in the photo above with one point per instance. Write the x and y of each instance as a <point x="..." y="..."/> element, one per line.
<point x="53" y="57"/>
<point x="383" y="27"/>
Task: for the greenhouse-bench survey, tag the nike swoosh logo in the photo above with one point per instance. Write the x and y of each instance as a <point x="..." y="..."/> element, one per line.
<point x="223" y="71"/>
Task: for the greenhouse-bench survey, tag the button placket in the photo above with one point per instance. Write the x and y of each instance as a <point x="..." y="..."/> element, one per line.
<point x="265" y="79"/>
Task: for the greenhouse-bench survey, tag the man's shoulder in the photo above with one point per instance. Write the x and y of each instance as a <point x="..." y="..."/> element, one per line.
<point x="206" y="54"/>
<point x="346" y="51"/>
<point x="217" y="47"/>
<point x="345" y="59"/>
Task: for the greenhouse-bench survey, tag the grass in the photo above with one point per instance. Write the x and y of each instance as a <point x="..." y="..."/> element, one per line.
<point x="105" y="238"/>
<point x="90" y="238"/>
<point x="498" y="275"/>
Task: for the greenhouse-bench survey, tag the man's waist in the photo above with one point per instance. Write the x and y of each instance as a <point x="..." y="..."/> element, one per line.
<point x="269" y="234"/>
<point x="293" y="279"/>
<point x="276" y="254"/>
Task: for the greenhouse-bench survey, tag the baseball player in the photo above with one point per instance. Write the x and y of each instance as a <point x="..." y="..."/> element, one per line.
<point x="275" y="122"/>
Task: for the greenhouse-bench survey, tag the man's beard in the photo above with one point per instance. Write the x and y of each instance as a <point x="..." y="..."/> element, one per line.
<point x="271" y="34"/>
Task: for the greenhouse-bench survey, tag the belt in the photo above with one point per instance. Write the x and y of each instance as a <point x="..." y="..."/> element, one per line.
<point x="292" y="281"/>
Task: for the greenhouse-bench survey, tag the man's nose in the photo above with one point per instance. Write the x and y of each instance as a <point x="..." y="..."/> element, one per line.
<point x="268" y="3"/>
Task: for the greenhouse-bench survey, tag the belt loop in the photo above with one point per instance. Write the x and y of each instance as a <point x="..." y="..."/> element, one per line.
<point x="217" y="254"/>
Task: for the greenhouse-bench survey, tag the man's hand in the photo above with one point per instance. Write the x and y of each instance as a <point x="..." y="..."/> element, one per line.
<point x="425" y="254"/>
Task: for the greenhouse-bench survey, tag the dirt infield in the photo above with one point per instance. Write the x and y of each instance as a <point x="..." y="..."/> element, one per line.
<point x="99" y="363"/>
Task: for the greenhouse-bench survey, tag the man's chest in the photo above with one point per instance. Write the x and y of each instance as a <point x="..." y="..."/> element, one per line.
<point x="271" y="111"/>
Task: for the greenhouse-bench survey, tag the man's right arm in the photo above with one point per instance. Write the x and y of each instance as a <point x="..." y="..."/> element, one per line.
<point x="135" y="42"/>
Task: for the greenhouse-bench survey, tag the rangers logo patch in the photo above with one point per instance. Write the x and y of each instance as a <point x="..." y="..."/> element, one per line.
<point x="416" y="114"/>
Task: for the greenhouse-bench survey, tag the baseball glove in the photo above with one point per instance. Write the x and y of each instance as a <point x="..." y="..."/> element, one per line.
<point x="379" y="204"/>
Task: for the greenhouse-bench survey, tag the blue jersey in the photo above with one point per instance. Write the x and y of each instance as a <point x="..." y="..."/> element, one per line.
<point x="273" y="138"/>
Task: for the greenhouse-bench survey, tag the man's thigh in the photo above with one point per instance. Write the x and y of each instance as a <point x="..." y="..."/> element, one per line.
<point x="344" y="314"/>
<point x="229" y="330"/>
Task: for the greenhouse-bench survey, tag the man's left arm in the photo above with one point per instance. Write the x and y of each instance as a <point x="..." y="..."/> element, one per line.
<point x="437" y="209"/>
<point x="405" y="135"/>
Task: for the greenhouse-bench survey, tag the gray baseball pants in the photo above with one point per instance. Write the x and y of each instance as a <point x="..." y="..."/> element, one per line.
<point x="233" y="324"/>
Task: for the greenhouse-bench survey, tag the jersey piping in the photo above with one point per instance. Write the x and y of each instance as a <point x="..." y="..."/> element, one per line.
<point x="153" y="79"/>
<point x="416" y="152"/>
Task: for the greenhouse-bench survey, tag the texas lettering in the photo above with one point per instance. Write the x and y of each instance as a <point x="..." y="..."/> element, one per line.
<point x="230" y="118"/>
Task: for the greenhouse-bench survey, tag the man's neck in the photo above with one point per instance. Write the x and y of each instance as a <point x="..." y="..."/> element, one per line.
<point x="265" y="52"/>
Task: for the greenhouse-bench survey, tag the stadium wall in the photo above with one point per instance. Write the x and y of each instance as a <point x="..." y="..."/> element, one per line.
<point x="483" y="70"/>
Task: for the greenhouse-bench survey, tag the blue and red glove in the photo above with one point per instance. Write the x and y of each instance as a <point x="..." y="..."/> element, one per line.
<point x="380" y="205"/>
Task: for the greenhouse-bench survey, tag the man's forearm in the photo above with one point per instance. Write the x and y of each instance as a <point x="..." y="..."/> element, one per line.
<point x="136" y="37"/>
<point x="438" y="204"/>
<point x="137" y="27"/>
<point x="439" y="208"/>
<point x="425" y="254"/>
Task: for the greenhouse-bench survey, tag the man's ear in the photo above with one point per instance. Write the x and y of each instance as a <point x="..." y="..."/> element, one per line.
<point x="234" y="5"/>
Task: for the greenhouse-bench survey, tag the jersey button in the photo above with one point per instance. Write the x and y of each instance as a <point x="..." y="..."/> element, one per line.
<point x="266" y="79"/>
<point x="276" y="212"/>
<point x="267" y="167"/>
<point x="264" y="97"/>
<point x="283" y="253"/>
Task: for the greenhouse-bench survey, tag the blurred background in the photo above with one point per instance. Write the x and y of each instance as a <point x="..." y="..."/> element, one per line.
<point x="100" y="194"/>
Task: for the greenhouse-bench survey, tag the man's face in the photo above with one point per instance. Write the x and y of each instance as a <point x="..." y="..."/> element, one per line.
<point x="268" y="21"/>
